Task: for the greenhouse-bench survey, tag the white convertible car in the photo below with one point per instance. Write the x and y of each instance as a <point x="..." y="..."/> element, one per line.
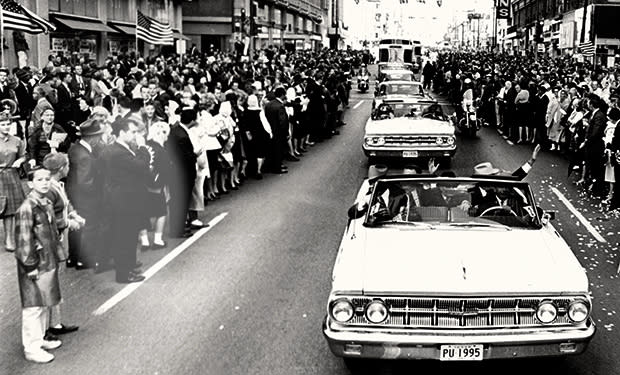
<point x="454" y="269"/>
<point x="406" y="123"/>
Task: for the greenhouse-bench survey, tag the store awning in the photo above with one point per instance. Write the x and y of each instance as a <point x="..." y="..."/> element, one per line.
<point x="124" y="29"/>
<point x="177" y="35"/>
<point x="83" y="24"/>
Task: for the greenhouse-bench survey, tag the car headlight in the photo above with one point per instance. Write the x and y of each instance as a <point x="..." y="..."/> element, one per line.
<point x="376" y="312"/>
<point x="546" y="312"/>
<point x="439" y="140"/>
<point x="375" y="141"/>
<point x="578" y="311"/>
<point x="342" y="310"/>
<point x="450" y="140"/>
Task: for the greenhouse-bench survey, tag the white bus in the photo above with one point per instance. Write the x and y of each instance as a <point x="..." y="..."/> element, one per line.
<point x="401" y="52"/>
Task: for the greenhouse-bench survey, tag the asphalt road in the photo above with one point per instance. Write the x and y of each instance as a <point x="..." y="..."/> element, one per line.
<point x="248" y="297"/>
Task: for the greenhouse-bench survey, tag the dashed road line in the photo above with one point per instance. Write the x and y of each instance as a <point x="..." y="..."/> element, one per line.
<point x="358" y="104"/>
<point x="126" y="291"/>
<point x="579" y="216"/>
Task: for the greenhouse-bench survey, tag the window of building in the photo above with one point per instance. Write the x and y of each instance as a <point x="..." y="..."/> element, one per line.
<point x="121" y="10"/>
<point x="86" y="8"/>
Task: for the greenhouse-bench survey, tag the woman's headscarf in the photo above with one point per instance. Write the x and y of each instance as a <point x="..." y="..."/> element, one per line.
<point x="225" y="109"/>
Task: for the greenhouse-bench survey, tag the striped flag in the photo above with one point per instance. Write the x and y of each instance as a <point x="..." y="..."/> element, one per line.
<point x="587" y="49"/>
<point x="16" y="17"/>
<point x="153" y="31"/>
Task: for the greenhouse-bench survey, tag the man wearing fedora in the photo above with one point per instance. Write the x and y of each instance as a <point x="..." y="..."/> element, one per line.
<point x="84" y="190"/>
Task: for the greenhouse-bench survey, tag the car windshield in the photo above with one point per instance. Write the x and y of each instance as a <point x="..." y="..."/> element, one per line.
<point x="399" y="76"/>
<point x="400" y="89"/>
<point x="451" y="203"/>
<point x="417" y="110"/>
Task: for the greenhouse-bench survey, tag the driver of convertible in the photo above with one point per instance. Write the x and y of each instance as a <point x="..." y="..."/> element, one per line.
<point x="433" y="111"/>
<point x="384" y="111"/>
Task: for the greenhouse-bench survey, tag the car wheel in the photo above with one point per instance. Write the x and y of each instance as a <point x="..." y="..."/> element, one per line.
<point x="356" y="366"/>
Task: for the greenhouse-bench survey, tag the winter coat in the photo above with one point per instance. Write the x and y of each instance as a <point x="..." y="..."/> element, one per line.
<point x="37" y="248"/>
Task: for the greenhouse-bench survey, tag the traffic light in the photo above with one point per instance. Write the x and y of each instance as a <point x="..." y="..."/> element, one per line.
<point x="242" y="20"/>
<point x="254" y="28"/>
<point x="538" y="35"/>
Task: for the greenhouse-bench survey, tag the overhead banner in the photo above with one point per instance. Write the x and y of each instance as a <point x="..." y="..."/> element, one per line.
<point x="502" y="9"/>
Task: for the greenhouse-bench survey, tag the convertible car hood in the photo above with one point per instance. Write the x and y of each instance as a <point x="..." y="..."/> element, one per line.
<point x="404" y="125"/>
<point x="466" y="261"/>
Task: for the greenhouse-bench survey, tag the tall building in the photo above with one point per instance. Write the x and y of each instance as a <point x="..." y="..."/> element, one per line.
<point x="90" y="29"/>
<point x="291" y="24"/>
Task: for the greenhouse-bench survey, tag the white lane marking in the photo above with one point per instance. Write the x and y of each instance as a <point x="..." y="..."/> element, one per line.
<point x="358" y="104"/>
<point x="126" y="291"/>
<point x="579" y="216"/>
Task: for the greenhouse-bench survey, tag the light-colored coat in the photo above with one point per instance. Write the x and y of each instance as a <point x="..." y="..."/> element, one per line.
<point x="37" y="248"/>
<point x="553" y="117"/>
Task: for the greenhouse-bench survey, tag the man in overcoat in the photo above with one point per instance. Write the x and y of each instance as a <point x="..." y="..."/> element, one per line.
<point x="275" y="112"/>
<point x="38" y="254"/>
<point x="85" y="192"/>
<point x="125" y="189"/>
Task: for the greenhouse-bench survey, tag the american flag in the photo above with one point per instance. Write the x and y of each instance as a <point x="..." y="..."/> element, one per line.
<point x="153" y="31"/>
<point x="16" y="17"/>
<point x="587" y="49"/>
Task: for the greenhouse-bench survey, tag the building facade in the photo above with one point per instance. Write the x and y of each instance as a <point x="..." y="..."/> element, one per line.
<point x="558" y="27"/>
<point x="90" y="29"/>
<point x="291" y="24"/>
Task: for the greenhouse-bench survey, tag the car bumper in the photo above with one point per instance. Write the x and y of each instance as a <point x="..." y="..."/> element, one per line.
<point x="426" y="344"/>
<point x="398" y="153"/>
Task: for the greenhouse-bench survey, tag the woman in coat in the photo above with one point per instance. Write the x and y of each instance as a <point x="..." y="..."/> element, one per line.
<point x="12" y="156"/>
<point x="38" y="254"/>
<point x="41" y="142"/>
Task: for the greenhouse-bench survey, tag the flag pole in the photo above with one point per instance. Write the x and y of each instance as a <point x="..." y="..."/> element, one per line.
<point x="2" y="34"/>
<point x="137" y="50"/>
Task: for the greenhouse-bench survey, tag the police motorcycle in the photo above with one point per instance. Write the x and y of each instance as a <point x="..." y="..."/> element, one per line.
<point x="468" y="122"/>
<point x="363" y="83"/>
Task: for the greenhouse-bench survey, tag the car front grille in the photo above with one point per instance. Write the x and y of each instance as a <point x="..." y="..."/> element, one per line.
<point x="461" y="313"/>
<point x="411" y="140"/>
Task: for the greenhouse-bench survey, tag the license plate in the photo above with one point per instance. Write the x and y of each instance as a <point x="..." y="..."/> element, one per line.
<point x="410" y="154"/>
<point x="460" y="353"/>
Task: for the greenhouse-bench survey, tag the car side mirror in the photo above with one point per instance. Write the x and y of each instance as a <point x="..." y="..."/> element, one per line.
<point x="356" y="211"/>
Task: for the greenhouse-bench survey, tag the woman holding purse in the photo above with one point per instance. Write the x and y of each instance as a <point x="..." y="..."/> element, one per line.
<point x="49" y="137"/>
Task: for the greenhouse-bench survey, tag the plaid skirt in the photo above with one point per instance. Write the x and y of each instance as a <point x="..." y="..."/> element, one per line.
<point x="11" y="188"/>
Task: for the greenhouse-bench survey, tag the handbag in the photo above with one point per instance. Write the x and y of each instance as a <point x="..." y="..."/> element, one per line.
<point x="23" y="170"/>
<point x="3" y="202"/>
<point x="223" y="136"/>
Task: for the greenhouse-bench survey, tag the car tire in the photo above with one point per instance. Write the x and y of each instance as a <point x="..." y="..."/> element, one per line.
<point x="356" y="366"/>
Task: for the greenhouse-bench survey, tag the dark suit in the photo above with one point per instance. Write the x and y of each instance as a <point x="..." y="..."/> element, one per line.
<point x="125" y="192"/>
<point x="64" y="106"/>
<point x="594" y="150"/>
<point x="183" y="158"/>
<point x="275" y="113"/>
<point x="84" y="189"/>
<point x="78" y="87"/>
<point x="615" y="148"/>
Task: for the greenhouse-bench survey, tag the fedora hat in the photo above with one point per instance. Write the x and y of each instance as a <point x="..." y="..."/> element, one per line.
<point x="376" y="171"/>
<point x="486" y="168"/>
<point x="91" y="127"/>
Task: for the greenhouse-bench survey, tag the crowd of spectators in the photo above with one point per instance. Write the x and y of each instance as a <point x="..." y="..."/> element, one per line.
<point x="565" y="105"/>
<point x="138" y="146"/>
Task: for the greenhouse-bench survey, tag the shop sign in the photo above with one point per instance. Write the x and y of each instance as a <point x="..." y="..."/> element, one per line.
<point x="88" y="46"/>
<point x="567" y="35"/>
<point x="502" y="9"/>
<point x="61" y="44"/>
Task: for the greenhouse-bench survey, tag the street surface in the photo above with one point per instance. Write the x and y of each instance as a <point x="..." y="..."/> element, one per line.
<point x="248" y="297"/>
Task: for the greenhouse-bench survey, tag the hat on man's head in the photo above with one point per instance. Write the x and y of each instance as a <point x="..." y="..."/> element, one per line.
<point x="22" y="75"/>
<point x="376" y="171"/>
<point x="53" y="162"/>
<point x="91" y="127"/>
<point x="486" y="168"/>
<point x="412" y="169"/>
